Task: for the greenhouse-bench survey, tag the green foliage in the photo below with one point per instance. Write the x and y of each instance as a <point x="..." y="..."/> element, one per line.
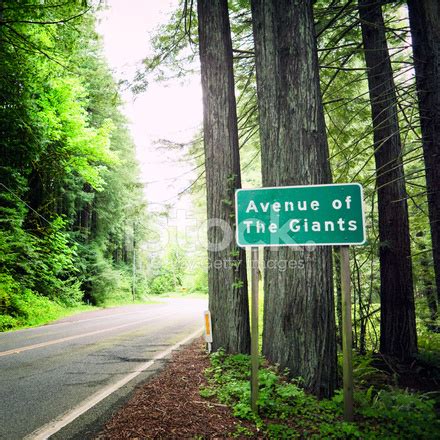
<point x="8" y="289"/>
<point x="364" y="373"/>
<point x="44" y="263"/>
<point x="200" y="281"/>
<point x="7" y="322"/>
<point x="280" y="431"/>
<point x="242" y="431"/>
<point x="343" y="430"/>
<point x="69" y="191"/>
<point x="162" y="282"/>
<point x="78" y="148"/>
<point x="286" y="411"/>
<point x="429" y="345"/>
<point x="168" y="271"/>
<point x="22" y="307"/>
<point x="110" y="284"/>
<point x="401" y="414"/>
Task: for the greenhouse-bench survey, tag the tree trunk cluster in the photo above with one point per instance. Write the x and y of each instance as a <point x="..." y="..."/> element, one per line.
<point x="299" y="310"/>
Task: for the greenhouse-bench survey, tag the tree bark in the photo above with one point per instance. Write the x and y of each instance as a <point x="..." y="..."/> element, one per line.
<point x="424" y="19"/>
<point x="397" y="322"/>
<point x="228" y="296"/>
<point x="299" y="317"/>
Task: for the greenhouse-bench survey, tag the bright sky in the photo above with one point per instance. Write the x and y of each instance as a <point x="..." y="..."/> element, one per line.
<point x="169" y="111"/>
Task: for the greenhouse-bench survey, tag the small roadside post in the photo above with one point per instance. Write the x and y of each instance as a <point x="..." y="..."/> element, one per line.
<point x="308" y="215"/>
<point x="208" y="330"/>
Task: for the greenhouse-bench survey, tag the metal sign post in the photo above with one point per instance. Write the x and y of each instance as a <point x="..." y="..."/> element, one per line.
<point x="346" y="334"/>
<point x="254" y="330"/>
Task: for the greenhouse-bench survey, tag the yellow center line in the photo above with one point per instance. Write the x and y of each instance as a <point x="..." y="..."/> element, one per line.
<point x="70" y="338"/>
<point x="50" y="325"/>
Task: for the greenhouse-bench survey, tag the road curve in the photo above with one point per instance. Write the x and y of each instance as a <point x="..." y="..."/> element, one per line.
<point x="51" y="374"/>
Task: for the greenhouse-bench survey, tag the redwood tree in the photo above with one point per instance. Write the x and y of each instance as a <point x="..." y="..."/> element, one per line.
<point x="228" y="300"/>
<point x="397" y="321"/>
<point x="299" y="319"/>
<point x="424" y="19"/>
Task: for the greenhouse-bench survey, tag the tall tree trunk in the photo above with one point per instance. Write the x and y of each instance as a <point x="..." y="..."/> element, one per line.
<point x="228" y="297"/>
<point x="299" y="316"/>
<point x="424" y="19"/>
<point x="397" y="322"/>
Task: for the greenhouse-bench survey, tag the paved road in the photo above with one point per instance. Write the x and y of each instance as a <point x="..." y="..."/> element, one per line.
<point x="47" y="372"/>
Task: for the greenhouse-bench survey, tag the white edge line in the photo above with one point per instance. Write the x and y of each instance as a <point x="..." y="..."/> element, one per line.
<point x="45" y="431"/>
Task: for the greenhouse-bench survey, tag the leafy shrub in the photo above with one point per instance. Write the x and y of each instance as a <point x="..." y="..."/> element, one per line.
<point x="287" y="411"/>
<point x="111" y="285"/>
<point x="8" y="288"/>
<point x="429" y="345"/>
<point x="402" y="413"/>
<point x="7" y="322"/>
<point x="33" y="309"/>
<point x="55" y="263"/>
<point x="279" y="431"/>
<point x="167" y="271"/>
<point x="162" y="283"/>
<point x="242" y="432"/>
<point x="343" y="430"/>
<point x="20" y="306"/>
<point x="200" y="282"/>
<point x="45" y="264"/>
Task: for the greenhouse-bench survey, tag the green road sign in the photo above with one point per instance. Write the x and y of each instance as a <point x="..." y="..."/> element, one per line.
<point x="300" y="215"/>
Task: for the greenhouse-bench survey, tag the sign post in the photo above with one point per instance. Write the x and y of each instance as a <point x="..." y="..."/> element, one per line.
<point x="346" y="334"/>
<point x="254" y="329"/>
<point x="309" y="215"/>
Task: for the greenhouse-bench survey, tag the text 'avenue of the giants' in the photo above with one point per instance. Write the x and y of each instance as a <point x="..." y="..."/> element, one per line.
<point x="321" y="214"/>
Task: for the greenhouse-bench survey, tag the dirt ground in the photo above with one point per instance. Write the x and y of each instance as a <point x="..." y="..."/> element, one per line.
<point x="170" y="407"/>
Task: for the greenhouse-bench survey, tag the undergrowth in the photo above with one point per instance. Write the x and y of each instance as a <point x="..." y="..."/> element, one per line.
<point x="286" y="411"/>
<point x="22" y="307"/>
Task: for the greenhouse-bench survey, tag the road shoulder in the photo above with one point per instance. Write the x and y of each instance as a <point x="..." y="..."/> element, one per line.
<point x="169" y="405"/>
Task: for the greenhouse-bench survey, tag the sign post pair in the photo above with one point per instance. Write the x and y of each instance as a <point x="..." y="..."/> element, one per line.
<point x="311" y="215"/>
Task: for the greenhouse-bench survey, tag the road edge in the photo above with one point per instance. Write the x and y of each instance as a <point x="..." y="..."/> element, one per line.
<point x="59" y="423"/>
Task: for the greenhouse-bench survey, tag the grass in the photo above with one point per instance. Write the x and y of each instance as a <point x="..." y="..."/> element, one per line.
<point x="63" y="312"/>
<point x="39" y="311"/>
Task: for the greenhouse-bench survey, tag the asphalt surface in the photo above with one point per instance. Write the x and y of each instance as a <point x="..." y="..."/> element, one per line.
<point x="48" y="371"/>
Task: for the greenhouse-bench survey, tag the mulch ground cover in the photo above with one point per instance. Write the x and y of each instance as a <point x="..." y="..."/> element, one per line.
<point x="169" y="406"/>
